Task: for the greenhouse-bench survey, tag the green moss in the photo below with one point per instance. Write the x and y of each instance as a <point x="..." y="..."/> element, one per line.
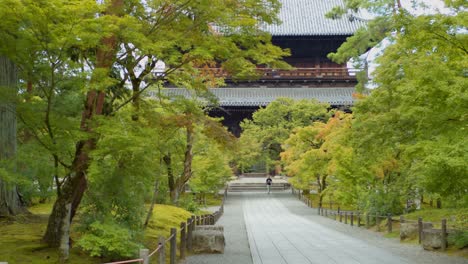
<point x="213" y="200"/>
<point x="41" y="209"/>
<point x="456" y="218"/>
<point x="314" y="198"/>
<point x="163" y="219"/>
<point x="21" y="237"/>
<point x="21" y="243"/>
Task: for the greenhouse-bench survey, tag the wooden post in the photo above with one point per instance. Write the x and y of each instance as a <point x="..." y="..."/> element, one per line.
<point x="339" y="209"/>
<point x="173" y="244"/>
<point x="341" y="216"/>
<point x="183" y="240"/>
<point x="144" y="252"/>
<point x="444" y="234"/>
<point x="326" y="212"/>
<point x="162" y="250"/>
<point x="420" y="229"/>
<point x="191" y="223"/>
<point x="367" y="220"/>
<point x="359" y="219"/>
<point x="346" y="218"/>
<point x="389" y="223"/>
<point x="198" y="219"/>
<point x="352" y="219"/>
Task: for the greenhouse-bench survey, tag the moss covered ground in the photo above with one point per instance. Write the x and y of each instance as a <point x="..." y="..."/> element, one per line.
<point x="456" y="218"/>
<point x="20" y="238"/>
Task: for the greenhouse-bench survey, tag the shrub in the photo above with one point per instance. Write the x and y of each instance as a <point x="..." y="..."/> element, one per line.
<point x="459" y="239"/>
<point x="187" y="202"/>
<point x="109" y="240"/>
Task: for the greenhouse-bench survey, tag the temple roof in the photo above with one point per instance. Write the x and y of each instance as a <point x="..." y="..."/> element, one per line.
<point x="255" y="96"/>
<point x="307" y="18"/>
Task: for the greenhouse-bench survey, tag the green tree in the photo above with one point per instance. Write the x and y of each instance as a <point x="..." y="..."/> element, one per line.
<point x="11" y="202"/>
<point x="88" y="45"/>
<point x="407" y="136"/>
<point x="272" y="125"/>
<point x="211" y="168"/>
<point x="310" y="151"/>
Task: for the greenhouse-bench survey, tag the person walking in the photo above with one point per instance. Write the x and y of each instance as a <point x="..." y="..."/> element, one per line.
<point x="268" y="183"/>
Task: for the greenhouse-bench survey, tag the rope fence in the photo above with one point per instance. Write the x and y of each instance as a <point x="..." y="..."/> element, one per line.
<point x="185" y="242"/>
<point x="356" y="218"/>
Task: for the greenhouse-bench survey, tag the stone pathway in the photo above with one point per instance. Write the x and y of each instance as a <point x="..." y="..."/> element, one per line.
<point x="237" y="247"/>
<point x="279" y="229"/>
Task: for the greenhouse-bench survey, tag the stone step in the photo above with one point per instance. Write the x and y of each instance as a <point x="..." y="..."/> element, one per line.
<point x="256" y="184"/>
<point x="254" y="175"/>
<point x="256" y="187"/>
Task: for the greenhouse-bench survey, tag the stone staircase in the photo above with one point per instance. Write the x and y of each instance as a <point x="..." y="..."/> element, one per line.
<point x="256" y="184"/>
<point x="254" y="175"/>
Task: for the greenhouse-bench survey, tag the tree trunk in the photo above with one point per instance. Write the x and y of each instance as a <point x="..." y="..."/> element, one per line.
<point x="10" y="199"/>
<point x="187" y="174"/>
<point x="170" y="178"/>
<point x="73" y="188"/>
<point x="153" y="201"/>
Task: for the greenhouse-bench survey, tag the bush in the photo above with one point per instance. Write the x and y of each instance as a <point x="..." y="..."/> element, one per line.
<point x="187" y="202"/>
<point x="109" y="240"/>
<point x="459" y="239"/>
<point x="382" y="203"/>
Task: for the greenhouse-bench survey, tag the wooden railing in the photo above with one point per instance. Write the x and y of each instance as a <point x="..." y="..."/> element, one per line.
<point x="359" y="219"/>
<point x="185" y="245"/>
<point x="296" y="73"/>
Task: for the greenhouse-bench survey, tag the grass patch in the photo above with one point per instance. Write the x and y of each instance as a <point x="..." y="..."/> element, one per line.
<point x="21" y="236"/>
<point x="327" y="203"/>
<point x="163" y="219"/>
<point x="456" y="218"/>
<point x="21" y="240"/>
<point x="394" y="234"/>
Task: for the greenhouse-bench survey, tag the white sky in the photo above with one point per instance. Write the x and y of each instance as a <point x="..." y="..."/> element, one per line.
<point x="432" y="6"/>
<point x="416" y="7"/>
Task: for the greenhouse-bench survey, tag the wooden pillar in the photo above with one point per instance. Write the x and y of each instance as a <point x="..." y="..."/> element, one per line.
<point x="173" y="246"/>
<point x="346" y="218"/>
<point x="352" y="219"/>
<point x="444" y="234"/>
<point x="190" y="224"/>
<point x="183" y="244"/>
<point x="420" y="229"/>
<point x="389" y="223"/>
<point x="143" y="255"/>
<point x="162" y="250"/>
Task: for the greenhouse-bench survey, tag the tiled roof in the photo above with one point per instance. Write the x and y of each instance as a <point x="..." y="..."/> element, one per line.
<point x="263" y="96"/>
<point x="307" y="18"/>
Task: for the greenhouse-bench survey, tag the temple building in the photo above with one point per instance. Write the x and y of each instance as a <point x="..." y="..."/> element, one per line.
<point x="310" y="36"/>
